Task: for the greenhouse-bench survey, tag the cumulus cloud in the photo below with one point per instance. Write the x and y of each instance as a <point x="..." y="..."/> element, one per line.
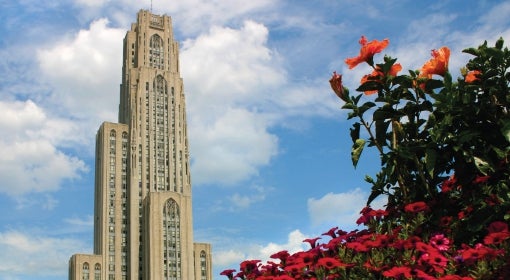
<point x="29" y="254"/>
<point x="31" y="160"/>
<point x="232" y="257"/>
<point x="232" y="148"/>
<point x="242" y="201"/>
<point x="85" y="73"/>
<point x="228" y="73"/>
<point x="339" y="209"/>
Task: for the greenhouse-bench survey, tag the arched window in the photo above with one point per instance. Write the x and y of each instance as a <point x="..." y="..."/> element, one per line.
<point x="97" y="272"/>
<point x="86" y="271"/>
<point x="171" y="241"/>
<point x="156" y="52"/>
<point x="203" y="265"/>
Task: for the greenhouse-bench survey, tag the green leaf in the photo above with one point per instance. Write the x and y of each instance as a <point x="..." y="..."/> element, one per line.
<point x="357" y="148"/>
<point x="499" y="43"/>
<point x="482" y="166"/>
<point x="369" y="85"/>
<point x="348" y="105"/>
<point x="381" y="127"/>
<point x="355" y="132"/>
<point x="433" y="84"/>
<point x="369" y="179"/>
<point x="363" y="108"/>
<point x="472" y="51"/>
<point x="430" y="160"/>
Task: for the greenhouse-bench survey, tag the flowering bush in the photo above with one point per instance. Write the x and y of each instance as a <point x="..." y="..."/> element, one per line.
<point x="444" y="147"/>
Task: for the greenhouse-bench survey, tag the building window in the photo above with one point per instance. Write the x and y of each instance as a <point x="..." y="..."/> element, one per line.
<point x="97" y="272"/>
<point x="159" y="121"/>
<point x="171" y="241"/>
<point x="203" y="265"/>
<point x="156" y="52"/>
<point x="86" y="271"/>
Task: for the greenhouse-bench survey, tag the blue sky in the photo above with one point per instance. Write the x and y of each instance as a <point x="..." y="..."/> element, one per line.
<point x="270" y="146"/>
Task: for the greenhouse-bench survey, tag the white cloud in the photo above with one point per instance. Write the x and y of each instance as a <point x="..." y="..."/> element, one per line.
<point x="29" y="254"/>
<point x="336" y="209"/>
<point x="92" y="3"/>
<point x="88" y="221"/>
<point x="227" y="72"/>
<point x="340" y="209"/>
<point x="85" y="73"/>
<point x="231" y="66"/>
<point x="196" y="15"/>
<point x="31" y="160"/>
<point x="254" y="195"/>
<point x="232" y="148"/>
<point x="232" y="257"/>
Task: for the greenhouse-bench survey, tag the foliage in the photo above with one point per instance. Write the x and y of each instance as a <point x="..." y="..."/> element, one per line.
<point x="445" y="166"/>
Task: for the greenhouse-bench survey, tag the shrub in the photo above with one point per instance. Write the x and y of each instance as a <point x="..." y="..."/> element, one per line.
<point x="444" y="147"/>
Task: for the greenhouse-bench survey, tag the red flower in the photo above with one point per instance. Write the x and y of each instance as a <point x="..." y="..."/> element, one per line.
<point x="356" y="246"/>
<point x="455" y="277"/>
<point x="445" y="221"/>
<point x="497" y="226"/>
<point x="312" y="241"/>
<point x="419" y="274"/>
<point x="397" y="272"/>
<point x="337" y="86"/>
<point x="449" y="184"/>
<point x="368" y="213"/>
<point x="438" y="64"/>
<point x="437" y="261"/>
<point x="473" y="254"/>
<point x="416" y="207"/>
<point x="249" y="265"/>
<point x="464" y="213"/>
<point x="472" y="76"/>
<point x="295" y="269"/>
<point x="282" y="255"/>
<point x="424" y="247"/>
<point x="496" y="237"/>
<point x="330" y="263"/>
<point x="481" y="179"/>
<point x="331" y="232"/>
<point x="367" y="51"/>
<point x="283" y="277"/>
<point x="228" y="272"/>
<point x="303" y="258"/>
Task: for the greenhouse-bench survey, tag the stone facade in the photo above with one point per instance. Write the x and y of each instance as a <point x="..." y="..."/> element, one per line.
<point x="143" y="227"/>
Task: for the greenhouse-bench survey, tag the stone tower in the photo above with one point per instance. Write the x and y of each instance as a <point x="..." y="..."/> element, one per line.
<point x="143" y="227"/>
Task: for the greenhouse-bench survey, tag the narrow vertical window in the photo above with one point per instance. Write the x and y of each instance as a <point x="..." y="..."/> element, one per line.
<point x="171" y="241"/>
<point x="203" y="265"/>
<point x="86" y="271"/>
<point x="97" y="272"/>
<point x="156" y="52"/>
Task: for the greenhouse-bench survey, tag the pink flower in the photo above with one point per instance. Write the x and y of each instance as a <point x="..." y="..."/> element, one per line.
<point x="440" y="242"/>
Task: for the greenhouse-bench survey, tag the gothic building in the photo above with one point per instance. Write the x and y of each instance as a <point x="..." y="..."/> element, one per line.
<point x="143" y="226"/>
